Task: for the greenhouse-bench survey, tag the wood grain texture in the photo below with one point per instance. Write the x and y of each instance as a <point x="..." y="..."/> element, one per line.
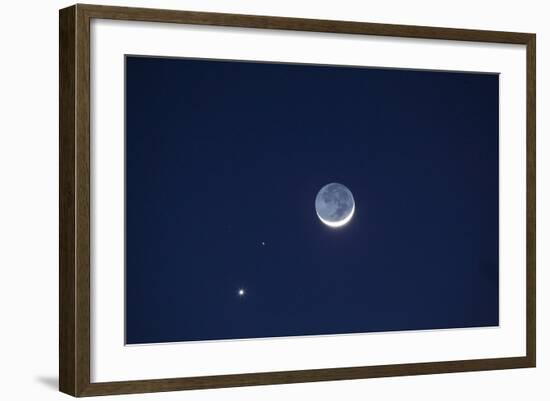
<point x="82" y="200"/>
<point x="302" y="376"/>
<point x="67" y="129"/>
<point x="531" y="221"/>
<point x="74" y="200"/>
<point x="301" y="24"/>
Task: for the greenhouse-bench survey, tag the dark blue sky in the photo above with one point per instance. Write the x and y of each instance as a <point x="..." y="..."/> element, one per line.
<point x="222" y="156"/>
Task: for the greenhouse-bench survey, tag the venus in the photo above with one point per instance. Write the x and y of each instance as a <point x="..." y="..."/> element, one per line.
<point x="334" y="205"/>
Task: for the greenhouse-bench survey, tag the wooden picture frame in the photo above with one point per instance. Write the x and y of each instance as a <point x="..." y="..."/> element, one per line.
<point x="74" y="206"/>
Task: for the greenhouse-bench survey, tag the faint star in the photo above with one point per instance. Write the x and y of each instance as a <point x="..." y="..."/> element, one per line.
<point x="263" y="243"/>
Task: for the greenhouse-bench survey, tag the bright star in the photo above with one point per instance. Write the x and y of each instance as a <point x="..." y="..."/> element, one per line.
<point x="241" y="292"/>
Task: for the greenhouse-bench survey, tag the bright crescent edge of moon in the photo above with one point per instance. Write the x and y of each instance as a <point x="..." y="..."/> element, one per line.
<point x="341" y="222"/>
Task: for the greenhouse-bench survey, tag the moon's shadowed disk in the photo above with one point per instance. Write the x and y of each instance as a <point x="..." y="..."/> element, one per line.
<point x="334" y="205"/>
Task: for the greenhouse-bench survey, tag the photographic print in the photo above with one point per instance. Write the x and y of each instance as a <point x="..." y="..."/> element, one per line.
<point x="270" y="199"/>
<point x="255" y="200"/>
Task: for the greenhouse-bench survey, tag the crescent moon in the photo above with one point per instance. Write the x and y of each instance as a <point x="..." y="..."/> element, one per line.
<point x="334" y="205"/>
<point x="338" y="223"/>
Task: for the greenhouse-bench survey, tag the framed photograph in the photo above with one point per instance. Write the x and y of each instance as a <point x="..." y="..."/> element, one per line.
<point x="250" y="200"/>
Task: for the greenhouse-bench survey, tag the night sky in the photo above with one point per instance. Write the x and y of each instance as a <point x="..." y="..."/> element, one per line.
<point x="224" y="160"/>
